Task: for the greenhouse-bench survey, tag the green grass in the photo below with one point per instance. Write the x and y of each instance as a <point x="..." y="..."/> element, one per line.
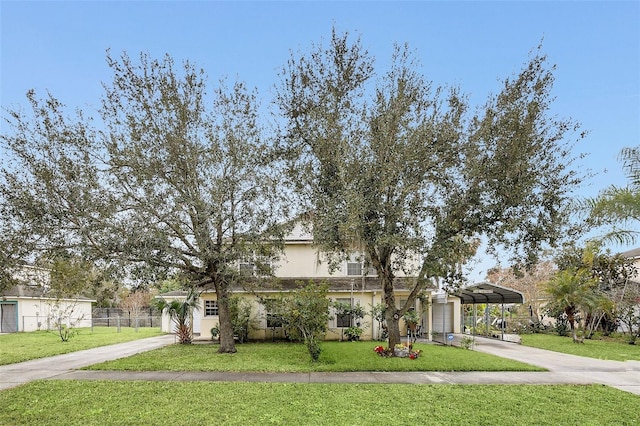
<point x="600" y="349"/>
<point x="198" y="403"/>
<point x="289" y="357"/>
<point x="18" y="347"/>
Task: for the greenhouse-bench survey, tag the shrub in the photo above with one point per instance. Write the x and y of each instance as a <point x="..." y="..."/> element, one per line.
<point x="353" y="333"/>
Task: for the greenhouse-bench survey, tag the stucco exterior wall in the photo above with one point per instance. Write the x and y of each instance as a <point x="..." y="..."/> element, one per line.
<point x="367" y="299"/>
<point x="41" y="313"/>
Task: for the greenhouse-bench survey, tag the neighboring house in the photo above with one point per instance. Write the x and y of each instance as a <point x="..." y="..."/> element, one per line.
<point x="633" y="286"/>
<point x="633" y="254"/>
<point x="28" y="307"/>
<point x="351" y="283"/>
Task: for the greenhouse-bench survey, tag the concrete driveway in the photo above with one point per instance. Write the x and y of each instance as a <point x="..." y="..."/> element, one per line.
<point x="46" y="368"/>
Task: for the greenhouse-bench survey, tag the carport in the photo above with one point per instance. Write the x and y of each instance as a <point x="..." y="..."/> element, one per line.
<point x="488" y="293"/>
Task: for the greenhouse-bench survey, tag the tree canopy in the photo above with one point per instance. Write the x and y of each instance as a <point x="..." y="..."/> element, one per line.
<point x="166" y="180"/>
<point x="173" y="177"/>
<point x="619" y="207"/>
<point x="402" y="170"/>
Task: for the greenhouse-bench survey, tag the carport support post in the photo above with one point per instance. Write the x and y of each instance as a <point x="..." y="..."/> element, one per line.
<point x="487" y="319"/>
<point x="502" y="323"/>
<point x="444" y="332"/>
<point x="475" y="319"/>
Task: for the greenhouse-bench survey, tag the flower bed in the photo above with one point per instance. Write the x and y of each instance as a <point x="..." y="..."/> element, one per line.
<point x="399" y="351"/>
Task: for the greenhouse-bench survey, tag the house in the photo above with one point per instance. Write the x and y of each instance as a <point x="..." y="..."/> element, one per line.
<point x="352" y="283"/>
<point x="631" y="294"/>
<point x="29" y="307"/>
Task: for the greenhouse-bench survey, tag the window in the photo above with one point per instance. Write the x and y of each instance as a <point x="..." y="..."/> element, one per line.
<point x="246" y="267"/>
<point x="354" y="268"/>
<point x="357" y="267"/>
<point x="400" y="303"/>
<point x="254" y="266"/>
<point x="343" y="320"/>
<point x="274" y="319"/>
<point x="210" y="308"/>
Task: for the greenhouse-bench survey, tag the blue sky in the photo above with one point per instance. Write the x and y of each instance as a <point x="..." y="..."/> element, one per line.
<point x="60" y="47"/>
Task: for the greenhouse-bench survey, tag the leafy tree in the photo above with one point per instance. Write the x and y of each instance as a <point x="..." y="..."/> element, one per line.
<point x="173" y="182"/>
<point x="241" y="319"/>
<point x="613" y="274"/>
<point x="378" y="314"/>
<point x="530" y="283"/>
<point x="627" y="311"/>
<point x="181" y="312"/>
<point x="305" y="314"/>
<point x="573" y="290"/>
<point x="64" y="281"/>
<point x="399" y="169"/>
<point x="620" y="206"/>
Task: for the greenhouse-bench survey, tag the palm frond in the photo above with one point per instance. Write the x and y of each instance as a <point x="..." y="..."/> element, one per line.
<point x="623" y="237"/>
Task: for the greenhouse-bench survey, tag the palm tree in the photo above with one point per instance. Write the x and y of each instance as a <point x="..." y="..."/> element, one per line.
<point x="181" y="312"/>
<point x="572" y="291"/>
<point x="620" y="206"/>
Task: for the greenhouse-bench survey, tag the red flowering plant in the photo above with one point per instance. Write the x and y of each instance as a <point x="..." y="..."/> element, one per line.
<point x="415" y="353"/>
<point x="382" y="351"/>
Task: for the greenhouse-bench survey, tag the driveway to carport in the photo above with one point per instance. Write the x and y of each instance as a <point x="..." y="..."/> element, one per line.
<point x="568" y="368"/>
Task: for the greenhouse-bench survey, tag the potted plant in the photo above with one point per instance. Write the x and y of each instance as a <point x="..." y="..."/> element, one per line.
<point x="412" y="319"/>
<point x="215" y="332"/>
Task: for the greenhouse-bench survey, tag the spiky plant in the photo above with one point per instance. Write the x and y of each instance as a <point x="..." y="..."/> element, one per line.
<point x="180" y="312"/>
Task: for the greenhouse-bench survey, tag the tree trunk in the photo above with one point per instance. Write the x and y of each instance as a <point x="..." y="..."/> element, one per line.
<point x="227" y="343"/>
<point x="393" y="327"/>
<point x="392" y="315"/>
<point x="572" y="325"/>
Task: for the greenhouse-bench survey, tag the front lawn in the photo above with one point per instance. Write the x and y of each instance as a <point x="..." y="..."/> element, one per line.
<point x="18" y="347"/>
<point x="600" y="349"/>
<point x="83" y="403"/>
<point x="290" y="357"/>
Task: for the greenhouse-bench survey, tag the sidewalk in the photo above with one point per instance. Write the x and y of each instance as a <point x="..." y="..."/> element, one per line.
<point x="563" y="369"/>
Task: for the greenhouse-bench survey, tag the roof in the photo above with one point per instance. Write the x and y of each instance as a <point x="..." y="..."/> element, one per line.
<point x="633" y="253"/>
<point x="488" y="293"/>
<point x="336" y="284"/>
<point x="36" y="292"/>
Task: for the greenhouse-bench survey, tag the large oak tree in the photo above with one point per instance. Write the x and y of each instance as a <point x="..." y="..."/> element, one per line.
<point x="169" y="178"/>
<point x="401" y="170"/>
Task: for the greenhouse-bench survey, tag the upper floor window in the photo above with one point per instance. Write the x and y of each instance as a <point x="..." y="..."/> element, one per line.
<point x="356" y="266"/>
<point x="250" y="266"/>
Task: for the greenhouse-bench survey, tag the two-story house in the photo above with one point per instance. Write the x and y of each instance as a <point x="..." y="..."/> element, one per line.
<point x="352" y="283"/>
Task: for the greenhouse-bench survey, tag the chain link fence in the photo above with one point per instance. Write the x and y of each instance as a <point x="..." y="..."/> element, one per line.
<point x="118" y="317"/>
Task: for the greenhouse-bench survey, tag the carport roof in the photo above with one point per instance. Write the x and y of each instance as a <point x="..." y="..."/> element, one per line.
<point x="488" y="293"/>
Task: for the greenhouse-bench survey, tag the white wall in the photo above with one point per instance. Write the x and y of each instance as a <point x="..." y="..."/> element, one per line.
<point x="41" y="313"/>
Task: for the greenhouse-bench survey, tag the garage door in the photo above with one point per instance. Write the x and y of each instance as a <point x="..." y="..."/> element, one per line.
<point x="443" y="312"/>
<point x="8" y="318"/>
